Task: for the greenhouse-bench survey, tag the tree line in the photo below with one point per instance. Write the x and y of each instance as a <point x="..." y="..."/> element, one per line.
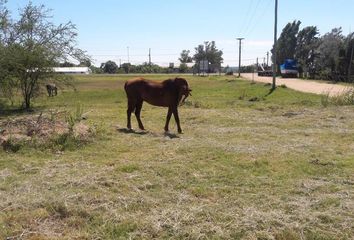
<point x="328" y="57"/>
<point x="207" y="51"/>
<point x="111" y="67"/>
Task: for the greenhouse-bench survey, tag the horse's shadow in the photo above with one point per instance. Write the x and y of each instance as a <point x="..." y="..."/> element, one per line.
<point x="170" y="135"/>
<point x="131" y="131"/>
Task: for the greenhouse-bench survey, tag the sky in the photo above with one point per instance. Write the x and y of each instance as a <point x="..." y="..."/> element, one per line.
<point x="116" y="29"/>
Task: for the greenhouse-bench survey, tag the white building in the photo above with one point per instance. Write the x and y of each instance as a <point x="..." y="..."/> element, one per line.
<point x="72" y="70"/>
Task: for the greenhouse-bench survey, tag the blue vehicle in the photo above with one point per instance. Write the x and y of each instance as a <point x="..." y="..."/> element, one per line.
<point x="289" y="68"/>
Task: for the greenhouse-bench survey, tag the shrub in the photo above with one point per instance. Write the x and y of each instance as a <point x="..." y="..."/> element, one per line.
<point x="346" y="98"/>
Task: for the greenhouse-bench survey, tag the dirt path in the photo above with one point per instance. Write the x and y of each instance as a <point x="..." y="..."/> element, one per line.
<point x="302" y="85"/>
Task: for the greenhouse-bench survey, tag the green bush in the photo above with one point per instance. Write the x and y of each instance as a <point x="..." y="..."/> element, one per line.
<point x="11" y="145"/>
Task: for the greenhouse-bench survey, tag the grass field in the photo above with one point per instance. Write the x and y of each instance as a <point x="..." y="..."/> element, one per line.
<point x="249" y="165"/>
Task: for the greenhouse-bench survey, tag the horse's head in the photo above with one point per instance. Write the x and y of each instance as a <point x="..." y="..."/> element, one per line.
<point x="183" y="89"/>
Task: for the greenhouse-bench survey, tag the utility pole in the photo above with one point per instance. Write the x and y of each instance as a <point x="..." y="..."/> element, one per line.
<point x="275" y="44"/>
<point x="150" y="59"/>
<point x="239" y="56"/>
<point x="120" y="63"/>
<point x="128" y="60"/>
<point x="350" y="63"/>
<point x="149" y="56"/>
<point x="128" y="54"/>
<point x="267" y="58"/>
<point x="257" y="62"/>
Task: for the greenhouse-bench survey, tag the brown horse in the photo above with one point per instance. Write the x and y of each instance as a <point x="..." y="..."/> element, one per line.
<point x="167" y="93"/>
<point x="52" y="89"/>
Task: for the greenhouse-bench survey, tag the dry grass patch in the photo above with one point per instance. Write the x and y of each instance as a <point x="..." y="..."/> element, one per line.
<point x="272" y="169"/>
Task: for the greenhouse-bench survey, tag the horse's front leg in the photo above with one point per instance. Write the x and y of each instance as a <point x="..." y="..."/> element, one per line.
<point x="175" y="114"/>
<point x="169" y="113"/>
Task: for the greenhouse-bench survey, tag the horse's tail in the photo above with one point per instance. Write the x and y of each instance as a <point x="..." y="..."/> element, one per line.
<point x="126" y="86"/>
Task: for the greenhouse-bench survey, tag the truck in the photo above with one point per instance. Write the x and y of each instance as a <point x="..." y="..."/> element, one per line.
<point x="264" y="71"/>
<point x="289" y="68"/>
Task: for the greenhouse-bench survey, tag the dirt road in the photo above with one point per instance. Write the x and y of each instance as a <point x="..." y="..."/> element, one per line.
<point x="302" y="85"/>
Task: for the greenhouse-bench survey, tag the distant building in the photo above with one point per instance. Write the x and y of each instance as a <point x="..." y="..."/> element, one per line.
<point x="72" y="70"/>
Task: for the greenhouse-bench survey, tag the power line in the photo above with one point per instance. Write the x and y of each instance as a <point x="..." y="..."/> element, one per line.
<point x="252" y="15"/>
<point x="246" y="17"/>
<point x="260" y="16"/>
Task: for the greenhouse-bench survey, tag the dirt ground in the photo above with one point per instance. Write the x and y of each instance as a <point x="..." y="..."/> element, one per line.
<point x="301" y="85"/>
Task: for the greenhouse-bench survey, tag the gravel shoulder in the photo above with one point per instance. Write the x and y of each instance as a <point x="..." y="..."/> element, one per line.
<point x="301" y="85"/>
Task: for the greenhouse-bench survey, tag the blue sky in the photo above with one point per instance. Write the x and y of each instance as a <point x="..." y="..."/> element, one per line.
<point x="107" y="28"/>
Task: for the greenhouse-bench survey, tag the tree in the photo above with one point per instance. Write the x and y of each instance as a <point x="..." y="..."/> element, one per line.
<point x="109" y="67"/>
<point x="286" y="43"/>
<point x="66" y="64"/>
<point x="5" y="86"/>
<point x="185" y="58"/>
<point x="328" y="62"/>
<point x="349" y="55"/>
<point x="7" y="83"/>
<point x="85" y="63"/>
<point x="306" y="43"/>
<point x="183" y="68"/>
<point x="127" y="67"/>
<point x="96" y="70"/>
<point x="209" y="52"/>
<point x="33" y="45"/>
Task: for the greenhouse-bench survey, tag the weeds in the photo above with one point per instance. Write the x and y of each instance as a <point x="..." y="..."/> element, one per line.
<point x="46" y="131"/>
<point x="243" y="95"/>
<point x="344" y="99"/>
<point x="12" y="145"/>
<point x="74" y="117"/>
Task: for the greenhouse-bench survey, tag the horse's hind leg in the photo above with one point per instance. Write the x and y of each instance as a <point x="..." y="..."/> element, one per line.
<point x="138" y="107"/>
<point x="129" y="113"/>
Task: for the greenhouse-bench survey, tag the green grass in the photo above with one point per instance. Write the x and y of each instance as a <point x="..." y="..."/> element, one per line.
<point x="250" y="165"/>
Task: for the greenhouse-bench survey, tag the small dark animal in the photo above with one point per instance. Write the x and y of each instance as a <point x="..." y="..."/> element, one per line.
<point x="168" y="93"/>
<point x="52" y="89"/>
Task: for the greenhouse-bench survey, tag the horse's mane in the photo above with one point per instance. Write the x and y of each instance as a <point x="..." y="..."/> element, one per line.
<point x="169" y="83"/>
<point x="172" y="80"/>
